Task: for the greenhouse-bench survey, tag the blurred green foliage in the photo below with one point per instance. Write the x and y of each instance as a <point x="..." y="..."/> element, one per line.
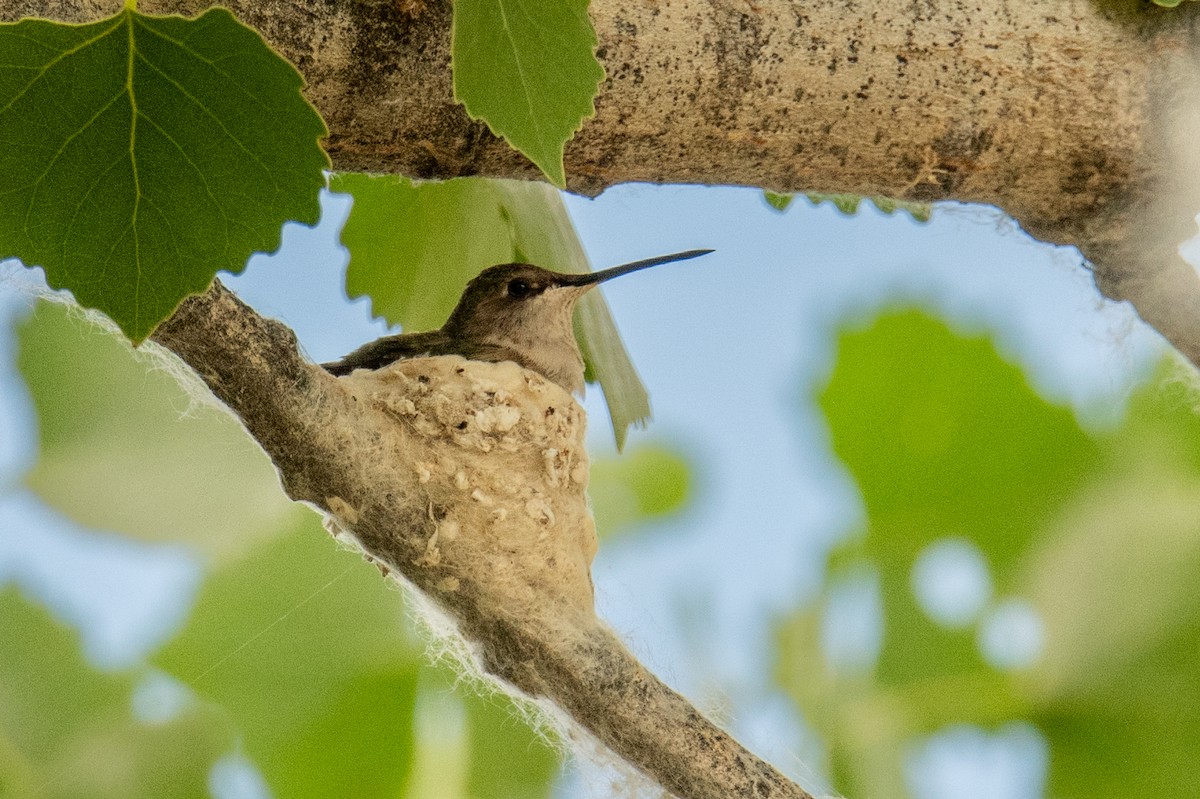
<point x="640" y="486"/>
<point x="306" y="649"/>
<point x="1099" y="535"/>
<point x="123" y="448"/>
<point x="779" y="202"/>
<point x="66" y="731"/>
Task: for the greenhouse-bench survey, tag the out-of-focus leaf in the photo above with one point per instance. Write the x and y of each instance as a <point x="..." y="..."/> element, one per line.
<point x="123" y="448"/>
<point x="944" y="440"/>
<point x="1117" y="692"/>
<point x="648" y="482"/>
<point x="1096" y="538"/>
<point x="144" y="154"/>
<point x="66" y="731"/>
<point x="529" y="70"/>
<point x="476" y="747"/>
<point x="306" y="648"/>
<point x="414" y="247"/>
<point x="508" y="760"/>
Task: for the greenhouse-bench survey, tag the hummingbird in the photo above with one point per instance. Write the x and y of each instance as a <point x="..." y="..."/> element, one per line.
<point x="509" y="312"/>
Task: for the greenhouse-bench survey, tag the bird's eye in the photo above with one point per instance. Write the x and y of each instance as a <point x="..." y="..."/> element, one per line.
<point x="519" y="289"/>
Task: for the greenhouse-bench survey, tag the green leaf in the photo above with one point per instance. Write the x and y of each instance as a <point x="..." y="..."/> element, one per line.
<point x="508" y="760"/>
<point x="306" y="649"/>
<point x="933" y="426"/>
<point x="848" y="204"/>
<point x="66" y="731"/>
<point x="1098" y="535"/>
<point x="473" y="746"/>
<point x="144" y="154"/>
<point x="649" y="482"/>
<point x="413" y="247"/>
<point x="779" y="202"/>
<point x="945" y="442"/>
<point x="529" y="70"/>
<point x="920" y="212"/>
<point x="123" y="449"/>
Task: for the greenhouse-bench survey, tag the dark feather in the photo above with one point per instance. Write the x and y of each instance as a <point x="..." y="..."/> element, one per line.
<point x="389" y="349"/>
<point x="379" y="353"/>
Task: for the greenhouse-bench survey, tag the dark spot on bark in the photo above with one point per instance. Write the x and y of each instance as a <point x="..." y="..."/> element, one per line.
<point x="958" y="153"/>
<point x="738" y="48"/>
<point x="1091" y="174"/>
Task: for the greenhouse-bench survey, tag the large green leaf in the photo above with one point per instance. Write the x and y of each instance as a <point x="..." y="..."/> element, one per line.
<point x="529" y="70"/>
<point x="143" y="154"/>
<point x="66" y="730"/>
<point x="123" y="448"/>
<point x="307" y="650"/>
<point x="1095" y="539"/>
<point x="413" y="247"/>
<point x="945" y="440"/>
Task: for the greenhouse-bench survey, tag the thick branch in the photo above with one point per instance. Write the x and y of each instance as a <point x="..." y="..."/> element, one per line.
<point x="1061" y="112"/>
<point x="468" y="479"/>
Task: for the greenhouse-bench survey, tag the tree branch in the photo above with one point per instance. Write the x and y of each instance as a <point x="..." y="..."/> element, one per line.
<point x="1070" y="115"/>
<point x="468" y="479"/>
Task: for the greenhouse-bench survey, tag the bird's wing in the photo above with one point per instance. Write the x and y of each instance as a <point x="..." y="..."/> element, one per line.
<point x="380" y="352"/>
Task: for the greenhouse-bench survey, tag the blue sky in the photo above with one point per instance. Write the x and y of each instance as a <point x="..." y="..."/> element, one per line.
<point x="733" y="348"/>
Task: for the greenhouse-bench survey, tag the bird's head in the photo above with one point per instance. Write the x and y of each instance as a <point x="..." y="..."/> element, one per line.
<point x="510" y="299"/>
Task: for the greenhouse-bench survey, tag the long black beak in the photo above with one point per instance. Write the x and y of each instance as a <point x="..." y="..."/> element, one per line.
<point x="593" y="278"/>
